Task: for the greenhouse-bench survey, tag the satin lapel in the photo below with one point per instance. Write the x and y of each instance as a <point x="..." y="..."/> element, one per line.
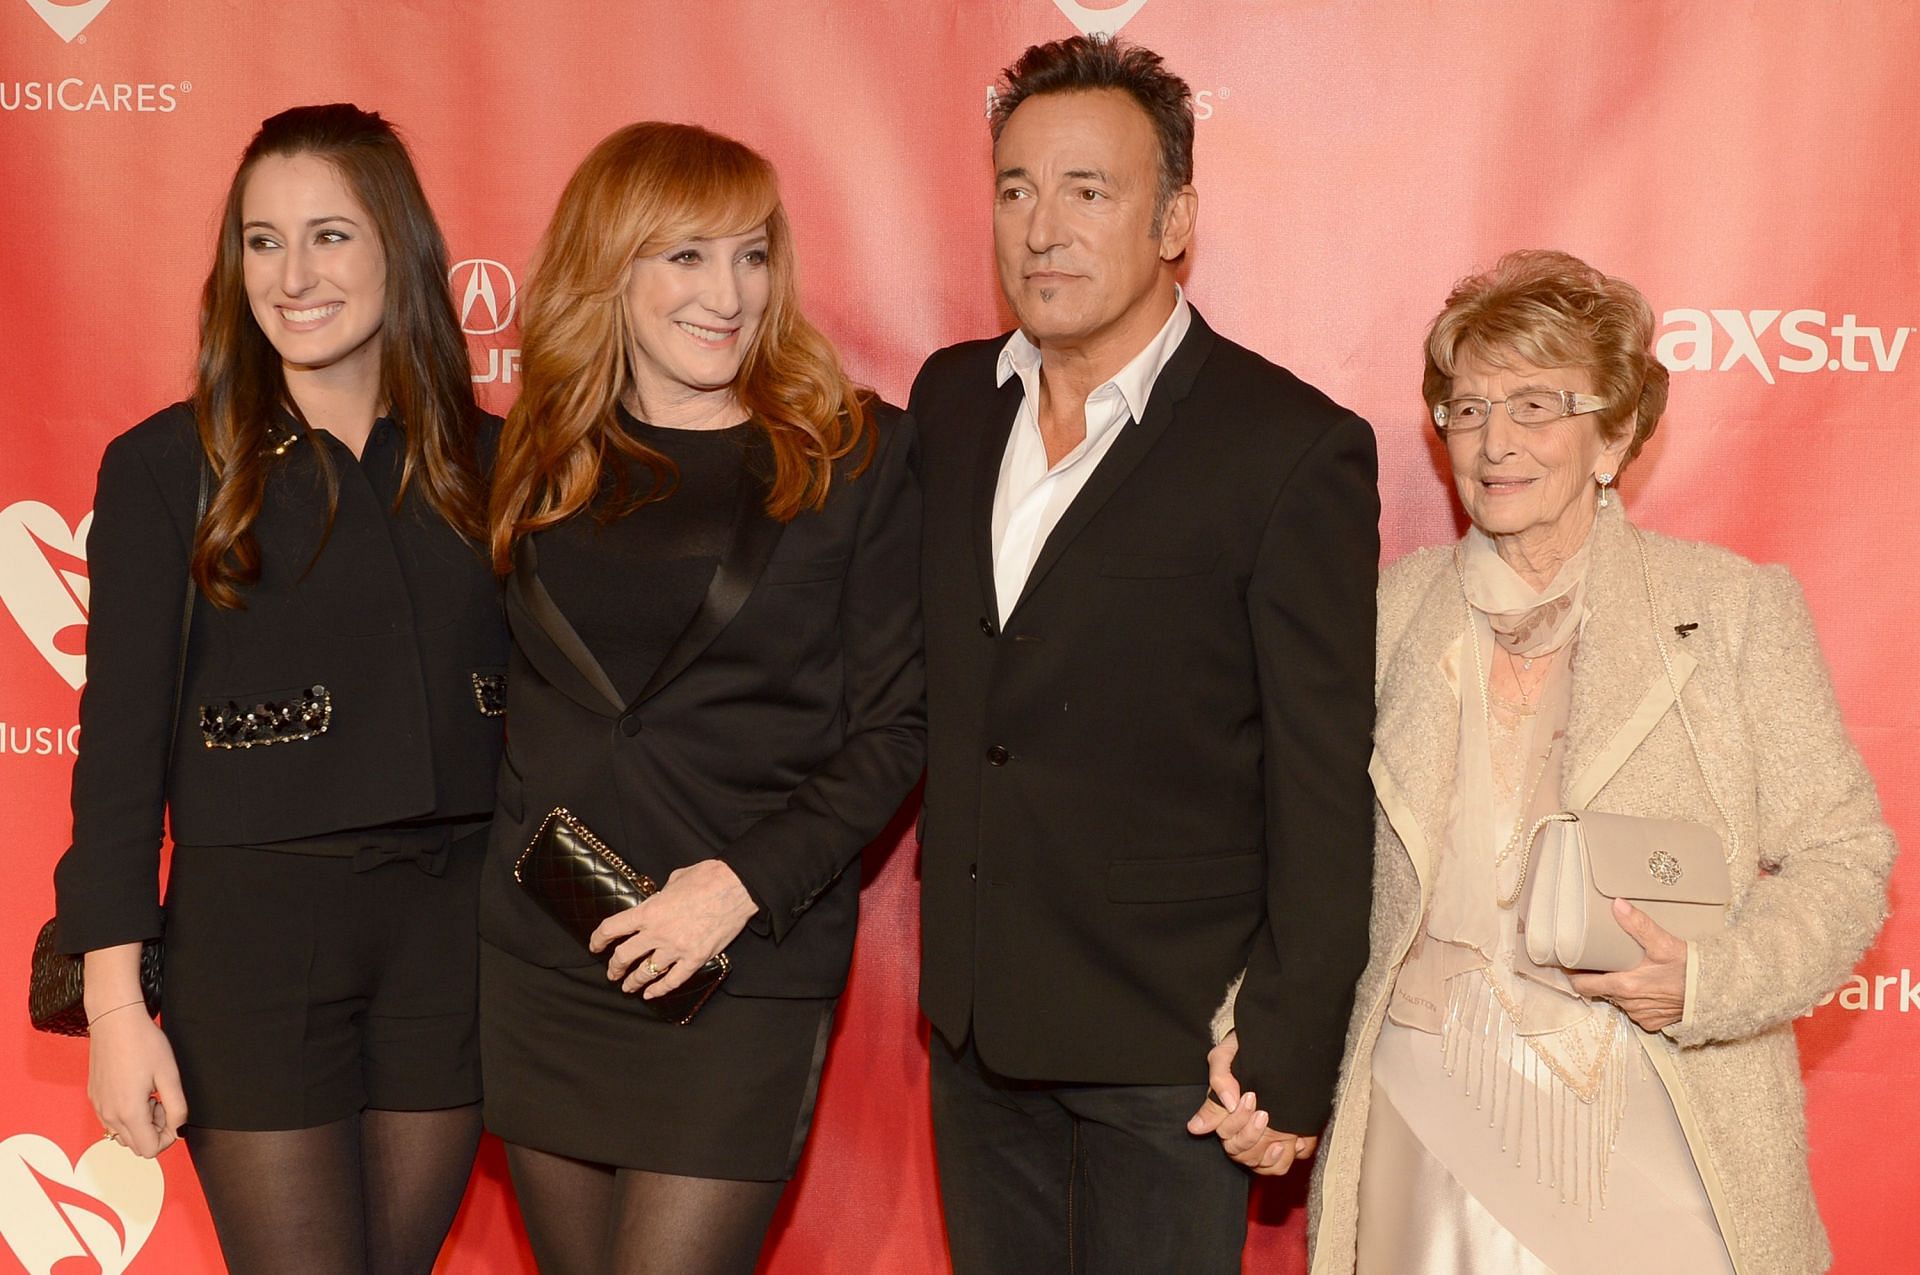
<point x="1620" y="689"/>
<point x="579" y="674"/>
<point x="1128" y="450"/>
<point x="1417" y="727"/>
<point x="750" y="546"/>
<point x="986" y="481"/>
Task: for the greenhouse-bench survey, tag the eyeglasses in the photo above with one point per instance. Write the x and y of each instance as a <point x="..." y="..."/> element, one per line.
<point x="1532" y="408"/>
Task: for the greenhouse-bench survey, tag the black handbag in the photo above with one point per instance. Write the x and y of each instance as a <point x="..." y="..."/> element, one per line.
<point x="56" y="982"/>
<point x="579" y="881"/>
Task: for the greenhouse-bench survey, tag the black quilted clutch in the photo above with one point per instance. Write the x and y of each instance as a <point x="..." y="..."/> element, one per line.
<point x="56" y="992"/>
<point x="579" y="881"/>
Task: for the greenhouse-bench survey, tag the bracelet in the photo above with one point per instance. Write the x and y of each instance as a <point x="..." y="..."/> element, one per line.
<point x="116" y="1009"/>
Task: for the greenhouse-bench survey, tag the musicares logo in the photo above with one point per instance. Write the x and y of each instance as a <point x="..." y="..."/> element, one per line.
<point x="44" y="583"/>
<point x="98" y="1209"/>
<point x="67" y="20"/>
<point x="1103" y="21"/>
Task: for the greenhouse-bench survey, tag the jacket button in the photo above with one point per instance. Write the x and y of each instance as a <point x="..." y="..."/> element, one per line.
<point x="986" y="626"/>
<point x="630" y="725"/>
<point x="998" y="756"/>
<point x="973" y="872"/>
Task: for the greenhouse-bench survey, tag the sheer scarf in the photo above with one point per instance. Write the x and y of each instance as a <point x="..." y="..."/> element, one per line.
<point x="1517" y="1030"/>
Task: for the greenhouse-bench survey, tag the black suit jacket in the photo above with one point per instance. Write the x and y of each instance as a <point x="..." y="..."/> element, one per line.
<point x="1156" y="772"/>
<point x="781" y="744"/>
<point x="393" y="613"/>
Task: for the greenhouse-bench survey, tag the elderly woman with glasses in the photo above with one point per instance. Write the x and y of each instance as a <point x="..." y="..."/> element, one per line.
<point x="1498" y="1112"/>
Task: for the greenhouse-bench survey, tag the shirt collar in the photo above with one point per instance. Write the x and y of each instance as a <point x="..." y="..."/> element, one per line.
<point x="1021" y="357"/>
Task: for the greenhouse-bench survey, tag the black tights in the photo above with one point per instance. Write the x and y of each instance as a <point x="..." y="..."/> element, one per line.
<point x="372" y="1194"/>
<point x="592" y="1219"/>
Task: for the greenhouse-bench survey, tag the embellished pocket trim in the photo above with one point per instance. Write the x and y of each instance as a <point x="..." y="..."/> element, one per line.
<point x="490" y="693"/>
<point x="284" y="721"/>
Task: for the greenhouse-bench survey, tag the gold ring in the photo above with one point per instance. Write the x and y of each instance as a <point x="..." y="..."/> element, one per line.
<point x="653" y="969"/>
<point x="112" y="1137"/>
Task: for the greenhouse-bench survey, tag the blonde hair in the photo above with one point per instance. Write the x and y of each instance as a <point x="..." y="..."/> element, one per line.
<point x="1551" y="309"/>
<point x="641" y="190"/>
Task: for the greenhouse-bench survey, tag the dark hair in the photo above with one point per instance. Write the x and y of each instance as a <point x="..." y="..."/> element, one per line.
<point x="425" y="379"/>
<point x="1084" y="63"/>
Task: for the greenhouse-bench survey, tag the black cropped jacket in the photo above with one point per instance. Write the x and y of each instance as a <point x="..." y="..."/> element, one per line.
<point x="360" y="685"/>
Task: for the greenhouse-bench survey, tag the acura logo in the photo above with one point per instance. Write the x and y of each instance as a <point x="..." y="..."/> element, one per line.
<point x="67" y="20"/>
<point x="485" y="292"/>
<point x="1105" y="21"/>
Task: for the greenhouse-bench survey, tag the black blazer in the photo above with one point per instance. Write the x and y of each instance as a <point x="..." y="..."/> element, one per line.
<point x="1156" y="773"/>
<point x="397" y="619"/>
<point x="781" y="744"/>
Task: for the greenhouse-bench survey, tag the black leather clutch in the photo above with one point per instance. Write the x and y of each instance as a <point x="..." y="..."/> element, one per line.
<point x="579" y="881"/>
<point x="56" y="988"/>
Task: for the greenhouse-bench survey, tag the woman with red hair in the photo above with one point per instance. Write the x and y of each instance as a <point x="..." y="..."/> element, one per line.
<point x="711" y="538"/>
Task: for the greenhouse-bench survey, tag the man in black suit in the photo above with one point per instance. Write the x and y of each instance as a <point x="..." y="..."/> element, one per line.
<point x="1149" y="572"/>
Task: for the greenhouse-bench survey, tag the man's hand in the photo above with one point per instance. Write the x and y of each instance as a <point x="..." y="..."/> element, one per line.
<point x="1236" y="1119"/>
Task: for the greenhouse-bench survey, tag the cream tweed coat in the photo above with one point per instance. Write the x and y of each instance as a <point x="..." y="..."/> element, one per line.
<point x="1809" y="879"/>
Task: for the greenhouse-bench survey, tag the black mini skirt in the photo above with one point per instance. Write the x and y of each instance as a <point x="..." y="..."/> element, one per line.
<point x="578" y="1068"/>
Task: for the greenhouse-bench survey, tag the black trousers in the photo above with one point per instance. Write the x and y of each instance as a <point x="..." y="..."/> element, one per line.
<point x="1079" y="1179"/>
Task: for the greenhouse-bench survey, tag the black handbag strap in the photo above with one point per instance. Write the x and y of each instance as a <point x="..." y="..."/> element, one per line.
<point x="186" y="618"/>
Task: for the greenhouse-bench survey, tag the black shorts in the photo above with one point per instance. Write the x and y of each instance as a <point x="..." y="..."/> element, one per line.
<point x="300" y="988"/>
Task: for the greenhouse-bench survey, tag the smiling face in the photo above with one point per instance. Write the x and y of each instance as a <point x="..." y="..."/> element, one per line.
<point x="693" y="312"/>
<point x="1077" y="190"/>
<point x="315" y="272"/>
<point x="1532" y="486"/>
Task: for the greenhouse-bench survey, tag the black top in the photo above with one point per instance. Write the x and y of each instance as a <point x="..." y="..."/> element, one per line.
<point x="663" y="553"/>
<point x="358" y="687"/>
<point x="780" y="743"/>
<point x="1155" y="772"/>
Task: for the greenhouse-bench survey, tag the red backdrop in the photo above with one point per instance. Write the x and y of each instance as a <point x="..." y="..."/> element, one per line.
<point x="1750" y="167"/>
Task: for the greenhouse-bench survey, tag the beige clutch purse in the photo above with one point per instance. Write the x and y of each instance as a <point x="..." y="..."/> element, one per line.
<point x="1577" y="862"/>
<point x="1582" y="860"/>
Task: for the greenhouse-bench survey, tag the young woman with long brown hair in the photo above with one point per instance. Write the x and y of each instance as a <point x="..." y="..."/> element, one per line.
<point x="323" y="748"/>
<point x="713" y="541"/>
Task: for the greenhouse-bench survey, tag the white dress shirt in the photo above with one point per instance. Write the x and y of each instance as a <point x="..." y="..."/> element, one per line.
<point x="1030" y="498"/>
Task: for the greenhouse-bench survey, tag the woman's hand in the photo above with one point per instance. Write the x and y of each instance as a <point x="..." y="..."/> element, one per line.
<point x="702" y="908"/>
<point x="133" y="1082"/>
<point x="1236" y="1119"/>
<point x="1654" y="992"/>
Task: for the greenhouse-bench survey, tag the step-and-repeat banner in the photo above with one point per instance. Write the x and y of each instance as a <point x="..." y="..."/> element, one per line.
<point x="1751" y="167"/>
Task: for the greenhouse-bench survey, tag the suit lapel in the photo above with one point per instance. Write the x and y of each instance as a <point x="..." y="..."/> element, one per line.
<point x="1417" y="729"/>
<point x="986" y="482"/>
<point x="1128" y="450"/>
<point x="750" y="546"/>
<point x="580" y="675"/>
<point x="1620" y="688"/>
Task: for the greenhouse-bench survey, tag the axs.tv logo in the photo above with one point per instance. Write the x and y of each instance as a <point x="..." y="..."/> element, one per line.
<point x="1796" y="342"/>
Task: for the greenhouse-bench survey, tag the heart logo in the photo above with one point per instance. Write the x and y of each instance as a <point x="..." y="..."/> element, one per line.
<point x="1091" y="21"/>
<point x="44" y="583"/>
<point x="101" y="1207"/>
<point x="68" y="20"/>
